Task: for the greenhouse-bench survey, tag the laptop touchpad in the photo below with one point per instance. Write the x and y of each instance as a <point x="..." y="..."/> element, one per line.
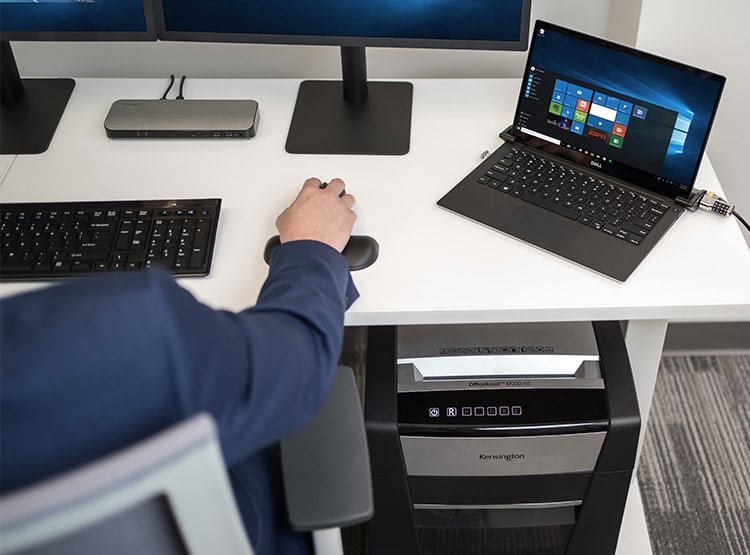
<point x="548" y="232"/>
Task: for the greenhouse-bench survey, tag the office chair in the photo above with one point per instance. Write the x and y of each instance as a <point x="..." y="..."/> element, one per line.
<point x="170" y="494"/>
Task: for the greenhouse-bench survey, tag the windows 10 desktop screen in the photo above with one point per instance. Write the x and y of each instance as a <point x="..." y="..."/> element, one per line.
<point x="409" y="19"/>
<point x="619" y="106"/>
<point x="78" y="16"/>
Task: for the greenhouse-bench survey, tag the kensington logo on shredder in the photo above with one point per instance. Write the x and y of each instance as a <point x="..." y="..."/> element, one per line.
<point x="501" y="456"/>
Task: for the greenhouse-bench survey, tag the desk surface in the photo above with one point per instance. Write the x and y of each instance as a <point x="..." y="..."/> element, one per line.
<point x="434" y="266"/>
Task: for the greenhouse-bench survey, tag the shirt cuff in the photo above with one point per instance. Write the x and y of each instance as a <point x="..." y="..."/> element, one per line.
<point x="307" y="249"/>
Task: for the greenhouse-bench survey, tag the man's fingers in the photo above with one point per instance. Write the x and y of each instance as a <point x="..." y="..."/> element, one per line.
<point x="349" y="200"/>
<point x="336" y="186"/>
<point x="311" y="183"/>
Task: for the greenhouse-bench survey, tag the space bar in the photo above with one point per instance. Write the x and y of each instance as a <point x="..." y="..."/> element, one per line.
<point x="551" y="206"/>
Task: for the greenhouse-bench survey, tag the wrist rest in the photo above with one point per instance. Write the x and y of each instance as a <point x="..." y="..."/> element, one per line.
<point x="360" y="252"/>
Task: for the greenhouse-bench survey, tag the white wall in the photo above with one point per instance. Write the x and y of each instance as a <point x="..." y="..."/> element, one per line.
<point x="251" y="60"/>
<point x="715" y="36"/>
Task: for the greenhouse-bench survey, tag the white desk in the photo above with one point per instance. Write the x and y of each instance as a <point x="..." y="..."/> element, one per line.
<point x="6" y="161"/>
<point x="434" y="267"/>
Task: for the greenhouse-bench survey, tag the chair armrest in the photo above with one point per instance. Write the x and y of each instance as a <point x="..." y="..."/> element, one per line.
<point x="326" y="464"/>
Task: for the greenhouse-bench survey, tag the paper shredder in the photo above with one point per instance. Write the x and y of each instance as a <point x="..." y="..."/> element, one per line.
<point x="499" y="438"/>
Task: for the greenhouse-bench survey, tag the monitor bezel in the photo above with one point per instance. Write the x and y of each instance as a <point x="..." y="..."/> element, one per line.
<point x="325" y="40"/>
<point x="101" y="36"/>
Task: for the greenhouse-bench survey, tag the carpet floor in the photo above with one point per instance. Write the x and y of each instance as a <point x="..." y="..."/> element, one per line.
<point x="694" y="471"/>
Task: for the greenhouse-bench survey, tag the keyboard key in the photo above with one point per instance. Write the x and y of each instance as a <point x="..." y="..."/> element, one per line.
<point x="622" y="235"/>
<point x="16" y="267"/>
<point x="632" y="228"/>
<point x="201" y="233"/>
<point x="80" y="266"/>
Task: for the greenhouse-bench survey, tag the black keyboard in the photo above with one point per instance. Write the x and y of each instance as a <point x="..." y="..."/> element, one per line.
<point x="589" y="200"/>
<point x="62" y="239"/>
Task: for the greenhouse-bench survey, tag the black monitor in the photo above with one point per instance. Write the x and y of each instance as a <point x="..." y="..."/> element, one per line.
<point x="30" y="109"/>
<point x="352" y="116"/>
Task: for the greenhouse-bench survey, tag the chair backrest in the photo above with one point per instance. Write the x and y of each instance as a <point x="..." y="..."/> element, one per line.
<point x="168" y="494"/>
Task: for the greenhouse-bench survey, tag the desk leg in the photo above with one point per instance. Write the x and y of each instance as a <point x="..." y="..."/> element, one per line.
<point x="634" y="538"/>
<point x="644" y="340"/>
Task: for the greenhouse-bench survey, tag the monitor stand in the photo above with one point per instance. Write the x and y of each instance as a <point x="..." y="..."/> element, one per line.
<point x="352" y="116"/>
<point x="30" y="109"/>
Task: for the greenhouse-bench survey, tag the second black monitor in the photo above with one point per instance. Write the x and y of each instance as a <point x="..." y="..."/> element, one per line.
<point x="31" y="108"/>
<point x="352" y="116"/>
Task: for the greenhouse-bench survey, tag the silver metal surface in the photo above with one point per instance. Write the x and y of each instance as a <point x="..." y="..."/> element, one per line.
<point x="506" y="456"/>
<point x="186" y="116"/>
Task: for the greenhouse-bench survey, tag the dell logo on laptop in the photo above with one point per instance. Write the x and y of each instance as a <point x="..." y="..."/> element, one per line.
<point x="596" y="164"/>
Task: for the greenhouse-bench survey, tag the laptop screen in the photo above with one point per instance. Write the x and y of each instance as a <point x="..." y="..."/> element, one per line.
<point x="615" y="109"/>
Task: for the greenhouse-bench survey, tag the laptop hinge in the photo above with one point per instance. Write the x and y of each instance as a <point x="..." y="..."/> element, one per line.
<point x="507" y="136"/>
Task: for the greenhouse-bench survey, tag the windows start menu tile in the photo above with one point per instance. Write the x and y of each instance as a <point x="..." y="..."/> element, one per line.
<point x="599" y="121"/>
<point x="600" y="116"/>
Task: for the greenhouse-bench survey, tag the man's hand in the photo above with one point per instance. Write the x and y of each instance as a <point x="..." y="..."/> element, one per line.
<point x="317" y="214"/>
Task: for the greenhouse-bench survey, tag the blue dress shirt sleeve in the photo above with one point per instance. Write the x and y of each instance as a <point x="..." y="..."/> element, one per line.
<point x="91" y="366"/>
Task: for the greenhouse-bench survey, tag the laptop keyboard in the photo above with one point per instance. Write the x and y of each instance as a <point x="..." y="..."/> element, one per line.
<point x="62" y="239"/>
<point x="583" y="198"/>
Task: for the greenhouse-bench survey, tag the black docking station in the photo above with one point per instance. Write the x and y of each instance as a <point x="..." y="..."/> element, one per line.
<point x="182" y="119"/>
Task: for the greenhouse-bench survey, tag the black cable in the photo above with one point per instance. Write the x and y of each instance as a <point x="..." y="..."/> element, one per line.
<point x="182" y="84"/>
<point x="169" y="88"/>
<point x="741" y="219"/>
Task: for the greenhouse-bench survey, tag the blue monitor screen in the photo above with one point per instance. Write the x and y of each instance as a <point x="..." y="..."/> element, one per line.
<point x="71" y="16"/>
<point x="624" y="109"/>
<point x="415" y="20"/>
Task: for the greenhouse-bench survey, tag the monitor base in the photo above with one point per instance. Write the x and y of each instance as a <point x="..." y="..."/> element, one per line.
<point x="30" y="120"/>
<point x="325" y="123"/>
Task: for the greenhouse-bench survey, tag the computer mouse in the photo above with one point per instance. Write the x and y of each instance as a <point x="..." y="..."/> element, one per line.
<point x="360" y="252"/>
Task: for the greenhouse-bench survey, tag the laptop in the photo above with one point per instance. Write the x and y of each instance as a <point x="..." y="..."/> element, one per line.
<point x="601" y="156"/>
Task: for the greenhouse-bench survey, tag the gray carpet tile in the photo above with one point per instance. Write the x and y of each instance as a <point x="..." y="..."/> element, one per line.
<point x="694" y="471"/>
